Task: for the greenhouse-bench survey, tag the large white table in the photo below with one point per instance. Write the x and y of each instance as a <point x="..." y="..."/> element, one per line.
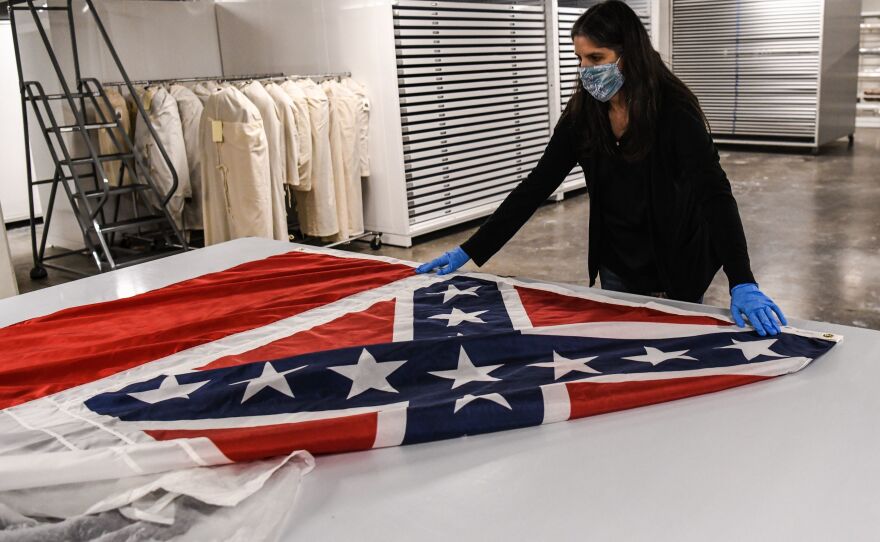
<point x="793" y="458"/>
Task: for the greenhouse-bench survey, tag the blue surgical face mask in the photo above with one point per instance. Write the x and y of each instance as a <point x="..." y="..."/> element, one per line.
<point x="602" y="81"/>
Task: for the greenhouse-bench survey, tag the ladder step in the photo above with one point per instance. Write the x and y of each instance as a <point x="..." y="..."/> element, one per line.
<point x="62" y="96"/>
<point x="114" y="191"/>
<point x="133" y="223"/>
<point x="102" y="158"/>
<point x="38" y="8"/>
<point x="88" y="175"/>
<point x="75" y="127"/>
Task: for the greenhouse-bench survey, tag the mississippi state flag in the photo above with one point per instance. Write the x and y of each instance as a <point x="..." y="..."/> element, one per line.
<point x="309" y="351"/>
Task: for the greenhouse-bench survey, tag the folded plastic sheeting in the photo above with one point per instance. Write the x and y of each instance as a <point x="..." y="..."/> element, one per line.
<point x="242" y="501"/>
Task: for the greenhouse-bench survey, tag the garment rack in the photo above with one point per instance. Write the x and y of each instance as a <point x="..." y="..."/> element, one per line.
<point x="376" y="241"/>
<point x="264" y="76"/>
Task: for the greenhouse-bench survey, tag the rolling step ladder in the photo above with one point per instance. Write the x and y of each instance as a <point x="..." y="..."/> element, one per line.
<point x="146" y="231"/>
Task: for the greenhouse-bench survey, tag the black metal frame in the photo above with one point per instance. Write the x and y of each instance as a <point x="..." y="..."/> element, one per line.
<point x="98" y="234"/>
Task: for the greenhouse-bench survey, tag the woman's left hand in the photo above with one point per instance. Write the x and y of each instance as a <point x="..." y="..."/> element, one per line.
<point x="761" y="311"/>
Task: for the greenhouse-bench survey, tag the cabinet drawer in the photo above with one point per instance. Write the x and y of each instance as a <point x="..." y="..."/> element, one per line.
<point x="509" y="106"/>
<point x="463" y="7"/>
<point x="487" y="157"/>
<point x="443" y="51"/>
<point x="472" y="59"/>
<point x="417" y="161"/>
<point x="516" y="132"/>
<point x="477" y="42"/>
<point x="416" y="82"/>
<point x="509" y="96"/>
<point x="519" y="171"/>
<point x="491" y="23"/>
<point x="431" y="137"/>
<point x="541" y="110"/>
<point x="464" y="90"/>
<point x="483" y="171"/>
<point x="418" y="219"/>
<point x="476" y="68"/>
<point x="452" y="202"/>
<point x="462" y="14"/>
<point x="467" y="32"/>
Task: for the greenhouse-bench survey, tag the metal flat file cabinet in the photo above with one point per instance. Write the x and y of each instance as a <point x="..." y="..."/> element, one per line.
<point x="776" y="73"/>
<point x="474" y="104"/>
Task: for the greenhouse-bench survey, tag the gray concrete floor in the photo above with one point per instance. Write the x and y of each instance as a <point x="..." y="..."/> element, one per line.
<point x="813" y="224"/>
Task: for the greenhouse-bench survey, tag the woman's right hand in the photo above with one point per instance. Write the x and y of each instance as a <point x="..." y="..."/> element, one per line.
<point x="447" y="263"/>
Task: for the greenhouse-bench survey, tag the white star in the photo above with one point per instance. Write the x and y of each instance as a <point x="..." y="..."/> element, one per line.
<point x="494" y="397"/>
<point x="753" y="349"/>
<point x="168" y="389"/>
<point x="368" y="374"/>
<point x="467" y="372"/>
<point x="452" y="292"/>
<point x="655" y="356"/>
<point x="270" y="378"/>
<point x="457" y="316"/>
<point x="562" y="366"/>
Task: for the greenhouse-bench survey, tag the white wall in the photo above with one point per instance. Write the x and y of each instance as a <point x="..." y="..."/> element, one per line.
<point x="870" y="5"/>
<point x="271" y="36"/>
<point x="8" y="285"/>
<point x="13" y="173"/>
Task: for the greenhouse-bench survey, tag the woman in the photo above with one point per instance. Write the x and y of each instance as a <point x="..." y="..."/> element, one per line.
<point x="663" y="219"/>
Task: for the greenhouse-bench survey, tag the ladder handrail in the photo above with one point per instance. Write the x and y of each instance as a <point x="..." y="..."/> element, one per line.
<point x="77" y="114"/>
<point x="94" y="89"/>
<point x="137" y="100"/>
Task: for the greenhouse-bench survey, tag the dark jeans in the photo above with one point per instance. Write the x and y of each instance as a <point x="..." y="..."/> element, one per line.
<point x="609" y="280"/>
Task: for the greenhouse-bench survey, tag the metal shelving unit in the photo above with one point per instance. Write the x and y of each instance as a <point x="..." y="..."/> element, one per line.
<point x="777" y="73"/>
<point x="869" y="71"/>
<point x="474" y="104"/>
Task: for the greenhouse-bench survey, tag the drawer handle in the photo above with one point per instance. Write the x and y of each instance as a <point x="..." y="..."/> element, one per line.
<point x="447" y="185"/>
<point x="441" y="106"/>
<point x="435" y="32"/>
<point x="438" y="60"/>
<point x="447" y="211"/>
<point x="443" y="143"/>
<point x="443" y="133"/>
<point x="444" y="168"/>
<point x="438" y="69"/>
<point x="444" y="159"/>
<point x="437" y="51"/>
<point x="435" y="23"/>
<point x="442" y="124"/>
<point x="447" y="202"/>
<point x="447" y="194"/>
<point x="519" y="161"/>
<point x="437" y="42"/>
<point x="441" y="115"/>
<point x="440" y="96"/>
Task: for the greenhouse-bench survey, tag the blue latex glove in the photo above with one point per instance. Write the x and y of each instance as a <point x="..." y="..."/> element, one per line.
<point x="447" y="263"/>
<point x="749" y="300"/>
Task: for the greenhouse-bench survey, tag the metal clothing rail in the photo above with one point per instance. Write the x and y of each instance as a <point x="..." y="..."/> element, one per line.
<point x="270" y="76"/>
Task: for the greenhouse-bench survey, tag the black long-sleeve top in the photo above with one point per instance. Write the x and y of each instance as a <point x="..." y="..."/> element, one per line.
<point x="693" y="220"/>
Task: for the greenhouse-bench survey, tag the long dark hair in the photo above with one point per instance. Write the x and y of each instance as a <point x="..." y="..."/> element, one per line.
<point x="647" y="80"/>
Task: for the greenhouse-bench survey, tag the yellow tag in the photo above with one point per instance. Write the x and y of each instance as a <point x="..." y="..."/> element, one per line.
<point x="217" y="131"/>
<point x="148" y="100"/>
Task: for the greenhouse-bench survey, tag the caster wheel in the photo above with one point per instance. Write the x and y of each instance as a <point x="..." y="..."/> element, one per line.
<point x="38" y="273"/>
<point x="850" y="141"/>
<point x="376" y="242"/>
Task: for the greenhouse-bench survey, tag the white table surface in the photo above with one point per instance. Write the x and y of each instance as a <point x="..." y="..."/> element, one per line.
<point x="793" y="458"/>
